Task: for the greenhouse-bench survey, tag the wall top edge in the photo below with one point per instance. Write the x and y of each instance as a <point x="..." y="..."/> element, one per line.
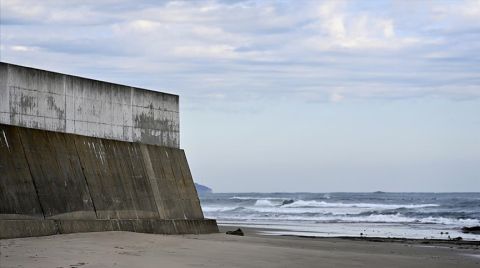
<point x="4" y="126"/>
<point x="86" y="78"/>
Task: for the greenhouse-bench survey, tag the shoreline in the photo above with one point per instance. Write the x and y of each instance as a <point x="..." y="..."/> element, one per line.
<point x="264" y="232"/>
<point x="400" y="240"/>
<point x="128" y="249"/>
<point x="400" y="215"/>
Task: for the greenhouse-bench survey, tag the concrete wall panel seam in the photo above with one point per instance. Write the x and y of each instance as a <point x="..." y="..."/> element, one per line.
<point x="33" y="180"/>
<point x="85" y="179"/>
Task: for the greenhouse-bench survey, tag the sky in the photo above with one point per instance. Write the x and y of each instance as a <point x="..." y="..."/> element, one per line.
<point x="275" y="96"/>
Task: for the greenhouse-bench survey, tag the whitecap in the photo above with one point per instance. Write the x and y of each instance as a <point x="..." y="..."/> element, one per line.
<point x="314" y="203"/>
<point x="257" y="198"/>
<point x="207" y="209"/>
<point x="264" y="203"/>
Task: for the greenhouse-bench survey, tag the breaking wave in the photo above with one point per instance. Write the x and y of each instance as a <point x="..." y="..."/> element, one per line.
<point x="249" y="214"/>
<point x="256" y="198"/>
<point x="389" y="214"/>
<point x="264" y="203"/>
<point x="313" y="203"/>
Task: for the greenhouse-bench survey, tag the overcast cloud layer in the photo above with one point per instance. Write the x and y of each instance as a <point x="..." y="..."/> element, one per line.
<point x="285" y="95"/>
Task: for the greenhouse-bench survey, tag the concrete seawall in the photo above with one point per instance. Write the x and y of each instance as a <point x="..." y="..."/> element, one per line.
<point x="64" y="103"/>
<point x="51" y="176"/>
<point x="57" y="179"/>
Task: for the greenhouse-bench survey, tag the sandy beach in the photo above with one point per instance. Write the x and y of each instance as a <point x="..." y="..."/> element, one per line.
<point x="126" y="249"/>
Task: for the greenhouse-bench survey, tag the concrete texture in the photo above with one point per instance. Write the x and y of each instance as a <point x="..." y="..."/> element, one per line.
<point x="77" y="183"/>
<point x="117" y="179"/>
<point x="29" y="228"/>
<point x="80" y="155"/>
<point x="63" y="103"/>
<point x="18" y="196"/>
<point x="57" y="175"/>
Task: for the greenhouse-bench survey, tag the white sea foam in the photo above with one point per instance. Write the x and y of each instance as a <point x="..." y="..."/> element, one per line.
<point x="353" y="229"/>
<point x="257" y="198"/>
<point x="330" y="219"/>
<point x="310" y="207"/>
<point x="450" y="221"/>
<point x="391" y="215"/>
<point x="217" y="209"/>
<point x="264" y="203"/>
<point x="270" y="208"/>
<point x="311" y="210"/>
<point x="313" y="203"/>
<point x="379" y="218"/>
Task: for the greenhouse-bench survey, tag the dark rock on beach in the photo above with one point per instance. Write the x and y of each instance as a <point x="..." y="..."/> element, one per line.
<point x="236" y="232"/>
<point x="471" y="230"/>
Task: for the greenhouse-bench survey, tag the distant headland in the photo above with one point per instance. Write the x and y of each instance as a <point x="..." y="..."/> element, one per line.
<point x="202" y="189"/>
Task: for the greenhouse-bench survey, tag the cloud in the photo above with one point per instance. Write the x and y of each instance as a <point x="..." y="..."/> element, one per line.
<point x="340" y="28"/>
<point x="23" y="48"/>
<point x="336" y="97"/>
<point x="468" y="10"/>
<point x="215" y="51"/>
<point x="51" y="12"/>
<point x="143" y="26"/>
<point x="255" y="50"/>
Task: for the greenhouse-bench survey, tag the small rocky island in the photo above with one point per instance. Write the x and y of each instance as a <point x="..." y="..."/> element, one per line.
<point x="202" y="189"/>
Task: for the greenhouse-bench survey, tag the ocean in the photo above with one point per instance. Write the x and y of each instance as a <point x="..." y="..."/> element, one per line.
<point x="378" y="214"/>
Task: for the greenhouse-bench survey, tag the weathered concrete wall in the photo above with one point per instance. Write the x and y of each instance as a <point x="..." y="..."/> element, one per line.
<point x="57" y="174"/>
<point x="93" y="184"/>
<point x="80" y="155"/>
<point x="18" y="196"/>
<point x="64" y="176"/>
<point x="58" y="102"/>
<point x="27" y="228"/>
<point x="117" y="180"/>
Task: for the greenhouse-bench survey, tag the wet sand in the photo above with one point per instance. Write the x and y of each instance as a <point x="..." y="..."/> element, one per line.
<point x="125" y="249"/>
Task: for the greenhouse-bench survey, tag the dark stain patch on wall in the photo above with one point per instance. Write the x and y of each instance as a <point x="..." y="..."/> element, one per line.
<point x="60" y="113"/>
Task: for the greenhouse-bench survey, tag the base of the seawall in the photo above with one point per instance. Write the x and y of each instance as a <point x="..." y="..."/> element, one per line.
<point x="29" y="228"/>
